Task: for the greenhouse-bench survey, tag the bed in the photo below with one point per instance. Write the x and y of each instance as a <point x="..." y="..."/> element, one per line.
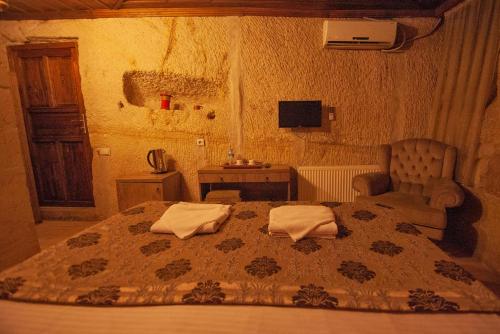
<point x="379" y="265"/>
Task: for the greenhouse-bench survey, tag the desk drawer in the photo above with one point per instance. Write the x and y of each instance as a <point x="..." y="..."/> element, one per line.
<point x="221" y="178"/>
<point x="270" y="177"/>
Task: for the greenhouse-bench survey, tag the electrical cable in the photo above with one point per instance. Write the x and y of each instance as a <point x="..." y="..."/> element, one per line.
<point x="395" y="49"/>
<point x="433" y="30"/>
<point x="403" y="43"/>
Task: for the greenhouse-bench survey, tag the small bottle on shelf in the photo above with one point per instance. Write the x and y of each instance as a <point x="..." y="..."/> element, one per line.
<point x="230" y="156"/>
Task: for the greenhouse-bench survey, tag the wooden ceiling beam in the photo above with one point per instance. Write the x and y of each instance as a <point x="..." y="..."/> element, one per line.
<point x="84" y="4"/>
<point x="17" y="8"/>
<point x="104" y="4"/>
<point x="311" y="4"/>
<point x="79" y="9"/>
<point x="63" y="5"/>
<point x="118" y="4"/>
<point x="212" y="11"/>
<point x="28" y="7"/>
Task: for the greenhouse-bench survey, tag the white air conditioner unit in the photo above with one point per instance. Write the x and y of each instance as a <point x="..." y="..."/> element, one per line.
<point x="365" y="34"/>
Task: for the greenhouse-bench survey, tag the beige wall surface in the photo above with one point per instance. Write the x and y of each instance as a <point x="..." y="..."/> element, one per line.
<point x="18" y="239"/>
<point x="476" y="225"/>
<point x="487" y="185"/>
<point x="238" y="68"/>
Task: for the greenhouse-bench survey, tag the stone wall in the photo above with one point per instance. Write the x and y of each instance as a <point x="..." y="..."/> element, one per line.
<point x="18" y="239"/>
<point x="237" y="69"/>
<point x="476" y="224"/>
<point x="487" y="183"/>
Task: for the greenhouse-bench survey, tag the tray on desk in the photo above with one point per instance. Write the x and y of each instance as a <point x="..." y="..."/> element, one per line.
<point x="244" y="166"/>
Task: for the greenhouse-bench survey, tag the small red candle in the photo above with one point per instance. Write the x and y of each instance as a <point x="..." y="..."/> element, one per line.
<point x="165" y="101"/>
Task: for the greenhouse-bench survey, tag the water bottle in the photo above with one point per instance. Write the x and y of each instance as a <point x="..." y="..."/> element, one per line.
<point x="230" y="155"/>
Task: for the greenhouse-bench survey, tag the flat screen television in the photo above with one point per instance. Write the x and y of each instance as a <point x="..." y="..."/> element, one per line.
<point x="296" y="114"/>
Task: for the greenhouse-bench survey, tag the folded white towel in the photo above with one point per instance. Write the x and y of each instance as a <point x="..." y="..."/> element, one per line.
<point x="299" y="220"/>
<point x="325" y="231"/>
<point x="186" y="219"/>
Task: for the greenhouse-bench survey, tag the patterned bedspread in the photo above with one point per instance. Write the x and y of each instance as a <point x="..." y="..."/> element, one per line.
<point x="378" y="262"/>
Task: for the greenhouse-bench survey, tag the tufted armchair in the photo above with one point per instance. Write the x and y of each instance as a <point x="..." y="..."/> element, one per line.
<point x="417" y="178"/>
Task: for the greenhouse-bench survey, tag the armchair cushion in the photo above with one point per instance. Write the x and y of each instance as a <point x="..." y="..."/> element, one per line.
<point x="414" y="207"/>
<point x="443" y="193"/>
<point x="371" y="184"/>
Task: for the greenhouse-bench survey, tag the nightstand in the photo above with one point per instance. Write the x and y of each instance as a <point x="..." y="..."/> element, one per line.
<point x="137" y="188"/>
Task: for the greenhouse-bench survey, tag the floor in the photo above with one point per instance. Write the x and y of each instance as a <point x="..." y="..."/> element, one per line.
<point x="53" y="231"/>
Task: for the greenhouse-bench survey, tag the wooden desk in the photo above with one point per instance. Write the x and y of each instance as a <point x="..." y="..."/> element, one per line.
<point x="141" y="187"/>
<point x="213" y="177"/>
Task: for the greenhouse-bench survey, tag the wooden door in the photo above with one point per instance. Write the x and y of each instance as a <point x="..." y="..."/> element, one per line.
<point x="54" y="115"/>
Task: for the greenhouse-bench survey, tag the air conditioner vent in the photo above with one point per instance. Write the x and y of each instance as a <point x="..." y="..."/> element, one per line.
<point x="355" y="34"/>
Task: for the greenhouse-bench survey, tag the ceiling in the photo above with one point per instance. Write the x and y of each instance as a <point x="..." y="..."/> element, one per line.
<point x="72" y="9"/>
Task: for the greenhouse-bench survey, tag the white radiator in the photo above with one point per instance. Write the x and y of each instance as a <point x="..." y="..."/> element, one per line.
<point x="329" y="183"/>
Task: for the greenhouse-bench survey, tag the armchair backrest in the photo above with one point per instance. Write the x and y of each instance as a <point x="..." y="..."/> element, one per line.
<point x="412" y="162"/>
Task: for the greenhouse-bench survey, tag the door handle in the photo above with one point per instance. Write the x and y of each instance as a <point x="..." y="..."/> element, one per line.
<point x="221" y="179"/>
<point x="84" y="124"/>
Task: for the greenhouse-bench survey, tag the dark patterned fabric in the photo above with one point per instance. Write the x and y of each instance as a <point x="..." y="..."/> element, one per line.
<point x="246" y="215"/>
<point x="208" y="292"/>
<point x="155" y="247"/>
<point x="314" y="296"/>
<point x="87" y="268"/>
<point x="264" y="229"/>
<point x="356" y="271"/>
<point x="133" y="211"/>
<point x="262" y="267"/>
<point x="174" y="269"/>
<point x="386" y="248"/>
<point x="364" y="215"/>
<point x="83" y="240"/>
<point x="384" y="206"/>
<point x="370" y="266"/>
<point x="9" y="286"/>
<point x="407" y="228"/>
<point x="140" y="228"/>
<point x="306" y="246"/>
<point x="231" y="203"/>
<point x="427" y="301"/>
<point x="331" y="204"/>
<point x="343" y="232"/>
<point x="277" y="204"/>
<point x="453" y="271"/>
<point x="230" y="245"/>
<point x="106" y="295"/>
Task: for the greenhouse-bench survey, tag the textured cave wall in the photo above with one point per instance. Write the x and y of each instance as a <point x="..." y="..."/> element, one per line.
<point x="476" y="224"/>
<point x="238" y="68"/>
<point x="378" y="97"/>
<point x="124" y="64"/>
<point x="487" y="184"/>
<point x="18" y="239"/>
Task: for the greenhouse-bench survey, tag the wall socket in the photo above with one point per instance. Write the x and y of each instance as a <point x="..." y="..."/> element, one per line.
<point x="200" y="142"/>
<point x="103" y="151"/>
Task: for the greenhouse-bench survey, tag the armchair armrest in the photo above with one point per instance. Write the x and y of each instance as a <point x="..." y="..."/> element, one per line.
<point x="371" y="184"/>
<point x="444" y="193"/>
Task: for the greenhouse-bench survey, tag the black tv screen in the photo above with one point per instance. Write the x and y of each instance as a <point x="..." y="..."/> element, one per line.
<point x="294" y="114"/>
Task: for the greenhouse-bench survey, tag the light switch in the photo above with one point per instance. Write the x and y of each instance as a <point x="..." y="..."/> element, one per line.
<point x="104" y="151"/>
